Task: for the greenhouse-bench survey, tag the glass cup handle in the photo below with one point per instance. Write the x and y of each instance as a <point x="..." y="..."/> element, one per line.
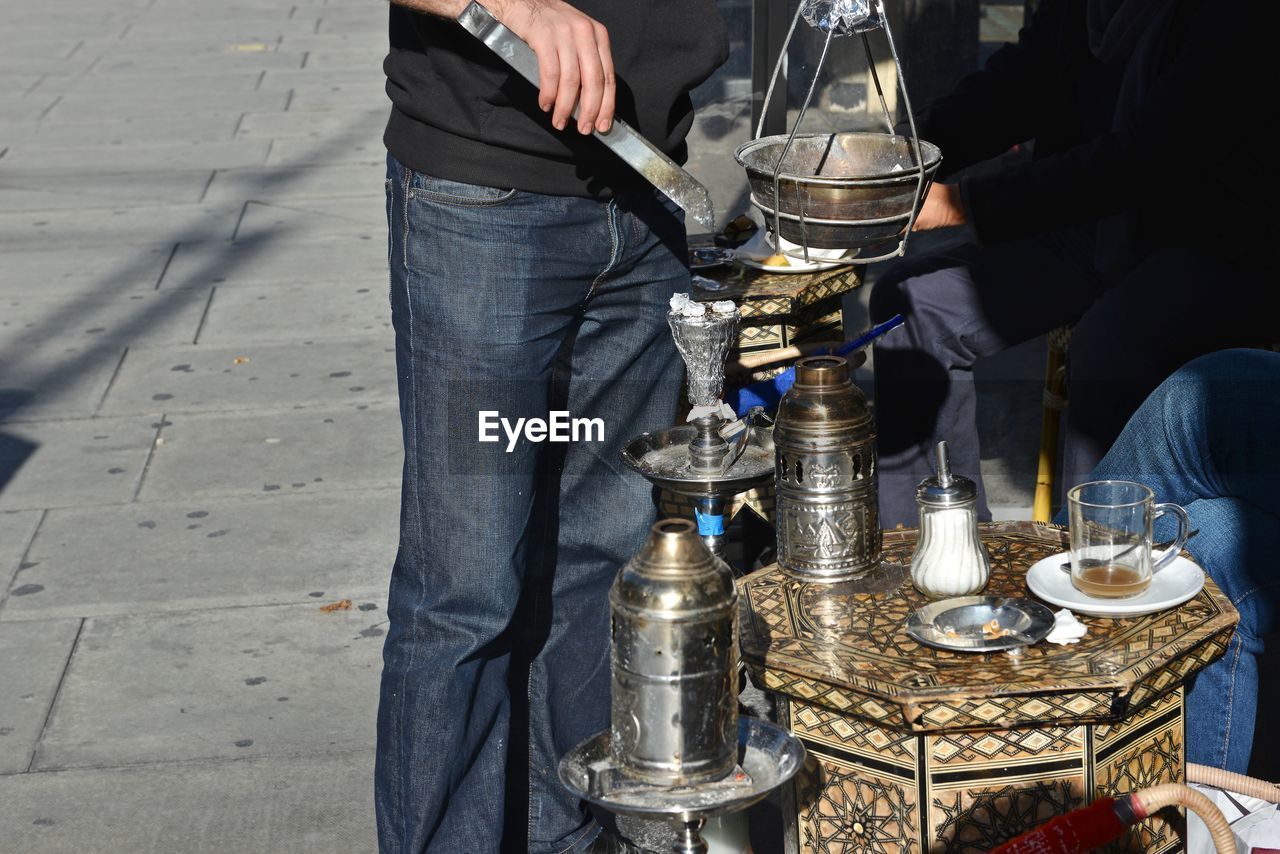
<point x="1184" y="528"/>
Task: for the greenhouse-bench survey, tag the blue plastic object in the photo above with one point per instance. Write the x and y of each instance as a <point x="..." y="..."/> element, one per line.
<point x="768" y="393"/>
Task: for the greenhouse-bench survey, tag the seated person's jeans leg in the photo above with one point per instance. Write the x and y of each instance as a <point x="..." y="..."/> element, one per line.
<point x="1206" y="439"/>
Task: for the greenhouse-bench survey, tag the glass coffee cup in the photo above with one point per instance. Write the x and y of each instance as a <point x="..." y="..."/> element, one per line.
<point x="1111" y="552"/>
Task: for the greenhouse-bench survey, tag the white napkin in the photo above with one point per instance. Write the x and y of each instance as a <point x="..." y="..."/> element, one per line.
<point x="1066" y="628"/>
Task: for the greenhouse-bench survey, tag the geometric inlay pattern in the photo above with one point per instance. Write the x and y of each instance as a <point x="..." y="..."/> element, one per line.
<point x="977" y="821"/>
<point x="853" y="736"/>
<point x="854" y="813"/>
<point x="984" y="746"/>
<point x="1147" y="763"/>
<point x="845" y="649"/>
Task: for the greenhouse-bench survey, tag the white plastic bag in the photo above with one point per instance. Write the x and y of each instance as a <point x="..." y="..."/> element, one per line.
<point x="1255" y="823"/>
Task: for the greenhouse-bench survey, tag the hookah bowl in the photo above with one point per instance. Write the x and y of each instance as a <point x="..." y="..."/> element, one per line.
<point x="695" y="459"/>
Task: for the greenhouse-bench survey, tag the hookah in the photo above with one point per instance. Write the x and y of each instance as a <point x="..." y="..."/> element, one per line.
<point x="715" y="455"/>
<point x="677" y="749"/>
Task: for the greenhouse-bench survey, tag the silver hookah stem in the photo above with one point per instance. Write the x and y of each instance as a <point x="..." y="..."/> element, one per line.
<point x="689" y="837"/>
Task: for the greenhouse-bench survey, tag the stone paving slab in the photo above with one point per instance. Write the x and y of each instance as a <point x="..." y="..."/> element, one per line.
<point x="331" y="308"/>
<point x="208" y="684"/>
<point x="102" y="270"/>
<point x="253" y="376"/>
<point x="227" y="154"/>
<point x="313" y="124"/>
<point x="199" y="127"/>
<point x="362" y="145"/>
<point x="159" y="59"/>
<point x="35" y="654"/>
<point x="268" y="31"/>
<point x="346" y="100"/>
<point x="16" y="531"/>
<point x="39" y="326"/>
<point x="282" y="805"/>
<point x="367" y="79"/>
<point x="19" y="107"/>
<point x="108" y="106"/>
<point x="44" y="59"/>
<point x="279" y="259"/>
<point x="189" y="554"/>
<point x="27" y="394"/>
<point x="317" y="449"/>
<point x="144" y="86"/>
<point x="21" y="82"/>
<point x="272" y="184"/>
<point x="72" y="463"/>
<point x="361" y="217"/>
<point x="75" y="229"/>
<point x="356" y="57"/>
<point x="59" y="189"/>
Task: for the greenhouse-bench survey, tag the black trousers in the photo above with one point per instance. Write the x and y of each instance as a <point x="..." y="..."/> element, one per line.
<point x="965" y="303"/>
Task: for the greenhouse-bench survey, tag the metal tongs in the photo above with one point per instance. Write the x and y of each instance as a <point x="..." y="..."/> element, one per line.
<point x="636" y="151"/>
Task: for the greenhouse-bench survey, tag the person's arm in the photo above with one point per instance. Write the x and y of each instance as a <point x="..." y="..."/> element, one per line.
<point x="575" y="63"/>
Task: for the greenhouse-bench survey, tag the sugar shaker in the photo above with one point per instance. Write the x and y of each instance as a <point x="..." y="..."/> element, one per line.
<point x="949" y="559"/>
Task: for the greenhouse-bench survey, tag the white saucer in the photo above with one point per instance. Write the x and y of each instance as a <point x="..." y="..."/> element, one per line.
<point x="796" y="266"/>
<point x="1171" y="586"/>
<point x="759" y="247"/>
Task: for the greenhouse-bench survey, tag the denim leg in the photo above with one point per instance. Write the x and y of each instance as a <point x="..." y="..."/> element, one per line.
<point x="1205" y="439"/>
<point x="486" y="284"/>
<point x="623" y="368"/>
<point x="960" y="305"/>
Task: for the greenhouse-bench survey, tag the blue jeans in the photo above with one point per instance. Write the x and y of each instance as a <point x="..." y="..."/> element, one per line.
<point x="1207" y="439"/>
<point x="496" y="662"/>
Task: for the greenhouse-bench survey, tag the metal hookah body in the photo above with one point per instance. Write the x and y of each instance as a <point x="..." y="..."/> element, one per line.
<point x="674" y="660"/>
<point x="827" y="511"/>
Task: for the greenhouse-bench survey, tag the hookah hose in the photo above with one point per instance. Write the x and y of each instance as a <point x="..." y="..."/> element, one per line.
<point x="1108" y="818"/>
<point x="767" y="393"/>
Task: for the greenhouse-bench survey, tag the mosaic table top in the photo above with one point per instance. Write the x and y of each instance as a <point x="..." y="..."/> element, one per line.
<point x="848" y="651"/>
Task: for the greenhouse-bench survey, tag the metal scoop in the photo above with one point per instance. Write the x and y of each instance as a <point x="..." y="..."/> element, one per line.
<point x="638" y="153"/>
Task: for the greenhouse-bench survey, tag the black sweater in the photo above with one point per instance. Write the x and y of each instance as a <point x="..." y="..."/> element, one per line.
<point x="459" y="112"/>
<point x="1188" y="167"/>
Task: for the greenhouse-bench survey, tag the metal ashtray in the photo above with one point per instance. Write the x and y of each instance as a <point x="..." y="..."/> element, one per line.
<point x="980" y="623"/>
<point x="708" y="257"/>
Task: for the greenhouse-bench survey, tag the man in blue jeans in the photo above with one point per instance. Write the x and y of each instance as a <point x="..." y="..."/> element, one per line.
<point x="1209" y="439"/>
<point x="530" y="274"/>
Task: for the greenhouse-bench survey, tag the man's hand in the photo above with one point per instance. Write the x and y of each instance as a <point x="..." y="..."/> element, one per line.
<point x="575" y="64"/>
<point x="941" y="209"/>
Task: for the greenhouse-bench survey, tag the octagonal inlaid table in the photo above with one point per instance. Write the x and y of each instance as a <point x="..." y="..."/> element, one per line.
<point x="914" y="749"/>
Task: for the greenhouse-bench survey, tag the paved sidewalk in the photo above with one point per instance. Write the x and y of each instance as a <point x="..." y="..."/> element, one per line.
<point x="198" y="438"/>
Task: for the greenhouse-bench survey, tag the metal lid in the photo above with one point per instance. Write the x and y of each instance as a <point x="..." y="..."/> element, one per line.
<point x="822" y="371"/>
<point x="946" y="489"/>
